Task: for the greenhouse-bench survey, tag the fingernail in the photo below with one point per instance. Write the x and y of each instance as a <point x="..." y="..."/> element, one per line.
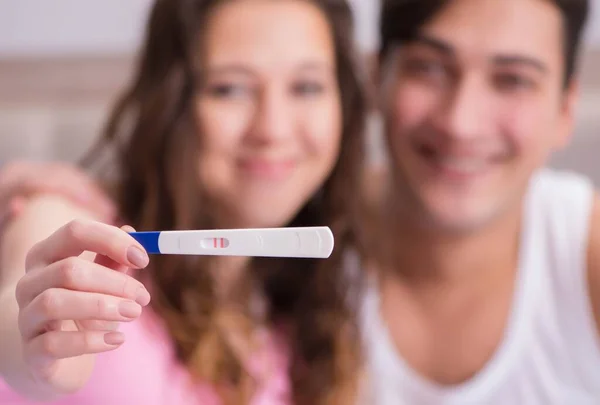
<point x="142" y="296"/>
<point x="128" y="228"/>
<point x="129" y="309"/>
<point x="137" y="257"/>
<point x="114" y="338"/>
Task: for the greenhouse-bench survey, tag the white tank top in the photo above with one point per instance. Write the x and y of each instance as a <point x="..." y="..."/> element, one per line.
<point x="550" y="353"/>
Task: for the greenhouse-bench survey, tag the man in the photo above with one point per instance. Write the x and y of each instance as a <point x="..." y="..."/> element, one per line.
<point x="487" y="287"/>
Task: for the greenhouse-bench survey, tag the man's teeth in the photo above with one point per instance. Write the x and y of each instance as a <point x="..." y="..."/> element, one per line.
<point x="461" y="164"/>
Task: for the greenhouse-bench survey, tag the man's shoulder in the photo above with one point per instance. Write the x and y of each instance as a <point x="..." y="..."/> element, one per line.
<point x="560" y="179"/>
<point x="593" y="258"/>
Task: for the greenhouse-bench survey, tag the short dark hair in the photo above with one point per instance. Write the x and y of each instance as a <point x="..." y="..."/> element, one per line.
<point x="401" y="19"/>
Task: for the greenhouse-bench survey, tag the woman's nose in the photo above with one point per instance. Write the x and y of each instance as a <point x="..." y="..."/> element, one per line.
<point x="273" y="117"/>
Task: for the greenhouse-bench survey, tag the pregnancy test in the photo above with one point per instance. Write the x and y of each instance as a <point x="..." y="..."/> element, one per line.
<point x="303" y="242"/>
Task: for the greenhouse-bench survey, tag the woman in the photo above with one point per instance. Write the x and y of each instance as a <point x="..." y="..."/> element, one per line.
<point x="243" y="113"/>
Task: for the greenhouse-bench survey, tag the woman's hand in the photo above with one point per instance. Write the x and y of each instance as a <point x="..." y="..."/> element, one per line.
<point x="68" y="306"/>
<point x="20" y="180"/>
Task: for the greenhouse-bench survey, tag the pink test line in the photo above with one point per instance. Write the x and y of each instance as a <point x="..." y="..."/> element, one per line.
<point x="215" y="243"/>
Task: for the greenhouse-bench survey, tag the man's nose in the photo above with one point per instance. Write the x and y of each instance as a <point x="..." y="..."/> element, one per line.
<point x="463" y="114"/>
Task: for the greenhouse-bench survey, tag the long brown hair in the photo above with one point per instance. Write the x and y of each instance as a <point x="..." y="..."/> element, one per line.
<point x="152" y="135"/>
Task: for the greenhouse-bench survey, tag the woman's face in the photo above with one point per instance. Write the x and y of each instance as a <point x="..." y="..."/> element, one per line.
<point x="268" y="111"/>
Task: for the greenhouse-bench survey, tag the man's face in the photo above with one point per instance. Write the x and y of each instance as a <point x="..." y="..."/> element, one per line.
<point x="474" y="105"/>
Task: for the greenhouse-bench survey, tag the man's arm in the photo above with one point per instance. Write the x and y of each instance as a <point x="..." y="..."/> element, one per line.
<point x="594" y="260"/>
<point x="22" y="180"/>
<point x="40" y="218"/>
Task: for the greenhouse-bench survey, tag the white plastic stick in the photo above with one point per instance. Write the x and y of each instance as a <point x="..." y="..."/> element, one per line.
<point x="307" y="242"/>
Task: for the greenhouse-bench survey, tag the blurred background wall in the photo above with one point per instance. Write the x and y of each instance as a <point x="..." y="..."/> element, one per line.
<point x="62" y="63"/>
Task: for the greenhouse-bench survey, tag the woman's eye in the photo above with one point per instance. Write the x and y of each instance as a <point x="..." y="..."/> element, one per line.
<point x="226" y="90"/>
<point x="307" y="88"/>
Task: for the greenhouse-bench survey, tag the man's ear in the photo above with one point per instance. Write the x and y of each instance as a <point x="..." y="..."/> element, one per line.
<point x="380" y="83"/>
<point x="568" y="113"/>
<point x="372" y="69"/>
<point x="385" y="72"/>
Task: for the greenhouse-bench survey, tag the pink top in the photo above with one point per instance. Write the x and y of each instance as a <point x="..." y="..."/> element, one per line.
<point x="144" y="371"/>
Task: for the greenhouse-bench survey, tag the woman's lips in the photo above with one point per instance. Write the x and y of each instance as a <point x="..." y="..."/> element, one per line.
<point x="268" y="169"/>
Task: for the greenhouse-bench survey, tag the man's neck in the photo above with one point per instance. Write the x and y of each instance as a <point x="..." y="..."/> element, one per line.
<point x="424" y="257"/>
